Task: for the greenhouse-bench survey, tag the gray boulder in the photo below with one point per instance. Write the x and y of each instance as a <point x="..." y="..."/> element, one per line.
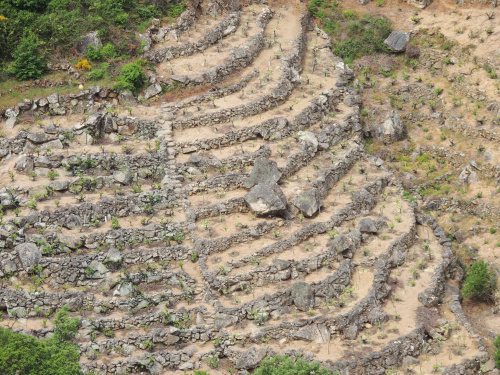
<point x="308" y="202"/>
<point x="397" y="41"/>
<point x="264" y="171"/>
<point x="250" y="359"/>
<point x="123" y="177"/>
<point x="59" y="185"/>
<point x="368" y="225"/>
<point x="89" y="40"/>
<point x="152" y="90"/>
<point x="38" y="137"/>
<point x="29" y="254"/>
<point x="124" y="289"/>
<point x="24" y="164"/>
<point x="266" y="200"/>
<point x="303" y="296"/>
<point x="7" y="199"/>
<point x="391" y="130"/>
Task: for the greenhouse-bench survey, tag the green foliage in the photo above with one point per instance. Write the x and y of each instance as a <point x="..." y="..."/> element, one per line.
<point x="98" y="72"/>
<point x="480" y="282"/>
<point x="284" y="365"/>
<point x="26" y="355"/>
<point x="65" y="327"/>
<point x="29" y="61"/>
<point x="131" y="77"/>
<point x="353" y="35"/>
<point x="106" y="52"/>
<point x="497" y="352"/>
<point x="61" y="24"/>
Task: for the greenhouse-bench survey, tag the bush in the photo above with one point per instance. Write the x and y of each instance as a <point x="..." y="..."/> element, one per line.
<point x="284" y="365"/>
<point x="26" y="355"/>
<point x="131" y="77"/>
<point x="29" y="60"/>
<point x="65" y="327"/>
<point x="99" y="72"/>
<point x="480" y="282"/>
<point x="353" y="35"/>
<point x="83" y="64"/>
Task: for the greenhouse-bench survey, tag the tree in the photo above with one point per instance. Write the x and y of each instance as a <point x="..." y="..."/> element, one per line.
<point x="27" y="355"/>
<point x="480" y="282"/>
<point x="29" y="60"/>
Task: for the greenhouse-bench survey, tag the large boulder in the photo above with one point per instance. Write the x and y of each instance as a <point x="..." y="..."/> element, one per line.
<point x="308" y="202"/>
<point x="29" y="254"/>
<point x="397" y="41"/>
<point x="123" y="177"/>
<point x="391" y="130"/>
<point x="266" y="200"/>
<point x="264" y="171"/>
<point x="250" y="359"/>
<point x="89" y="40"/>
<point x="302" y="296"/>
<point x="152" y="90"/>
<point x="7" y="199"/>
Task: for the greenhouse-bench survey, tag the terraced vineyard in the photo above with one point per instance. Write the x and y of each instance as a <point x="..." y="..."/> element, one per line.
<point x="235" y="217"/>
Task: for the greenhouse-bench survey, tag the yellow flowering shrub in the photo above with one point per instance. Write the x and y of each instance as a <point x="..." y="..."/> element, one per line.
<point x="2" y="18"/>
<point x="83" y="64"/>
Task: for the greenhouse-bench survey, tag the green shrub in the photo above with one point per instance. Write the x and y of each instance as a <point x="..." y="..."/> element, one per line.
<point x="353" y="35"/>
<point x="29" y="60"/>
<point x="284" y="365"/>
<point x="175" y="9"/>
<point x="65" y="327"/>
<point x="26" y="355"/>
<point x="497" y="352"/>
<point x="480" y="282"/>
<point x="131" y="77"/>
<point x="99" y="72"/>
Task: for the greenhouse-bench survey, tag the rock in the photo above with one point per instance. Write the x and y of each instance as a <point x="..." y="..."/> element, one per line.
<point x="409" y="361"/>
<point x="123" y="177"/>
<point x="24" y="164"/>
<point x="363" y="2"/>
<point x="392" y="129"/>
<point x="17" y="312"/>
<point x="114" y="258"/>
<point x="152" y="90"/>
<point x="29" y="254"/>
<point x="266" y="200"/>
<point x="7" y="199"/>
<point x="10" y="122"/>
<point x="53" y="98"/>
<point x="97" y="270"/>
<point x="38" y="137"/>
<point x="11" y="114"/>
<point x="59" y="185"/>
<point x="126" y="97"/>
<point x="56" y="144"/>
<point x="223" y="320"/>
<point x="351" y="332"/>
<point x="367" y="225"/>
<point x="264" y="171"/>
<point x="124" y="289"/>
<point x="317" y="333"/>
<point x="308" y="202"/>
<point x="468" y="176"/>
<point x="397" y="41"/>
<point x="249" y="359"/>
<point x="303" y="296"/>
<point x="308" y="138"/>
<point x="89" y="40"/>
<point x="72" y="242"/>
